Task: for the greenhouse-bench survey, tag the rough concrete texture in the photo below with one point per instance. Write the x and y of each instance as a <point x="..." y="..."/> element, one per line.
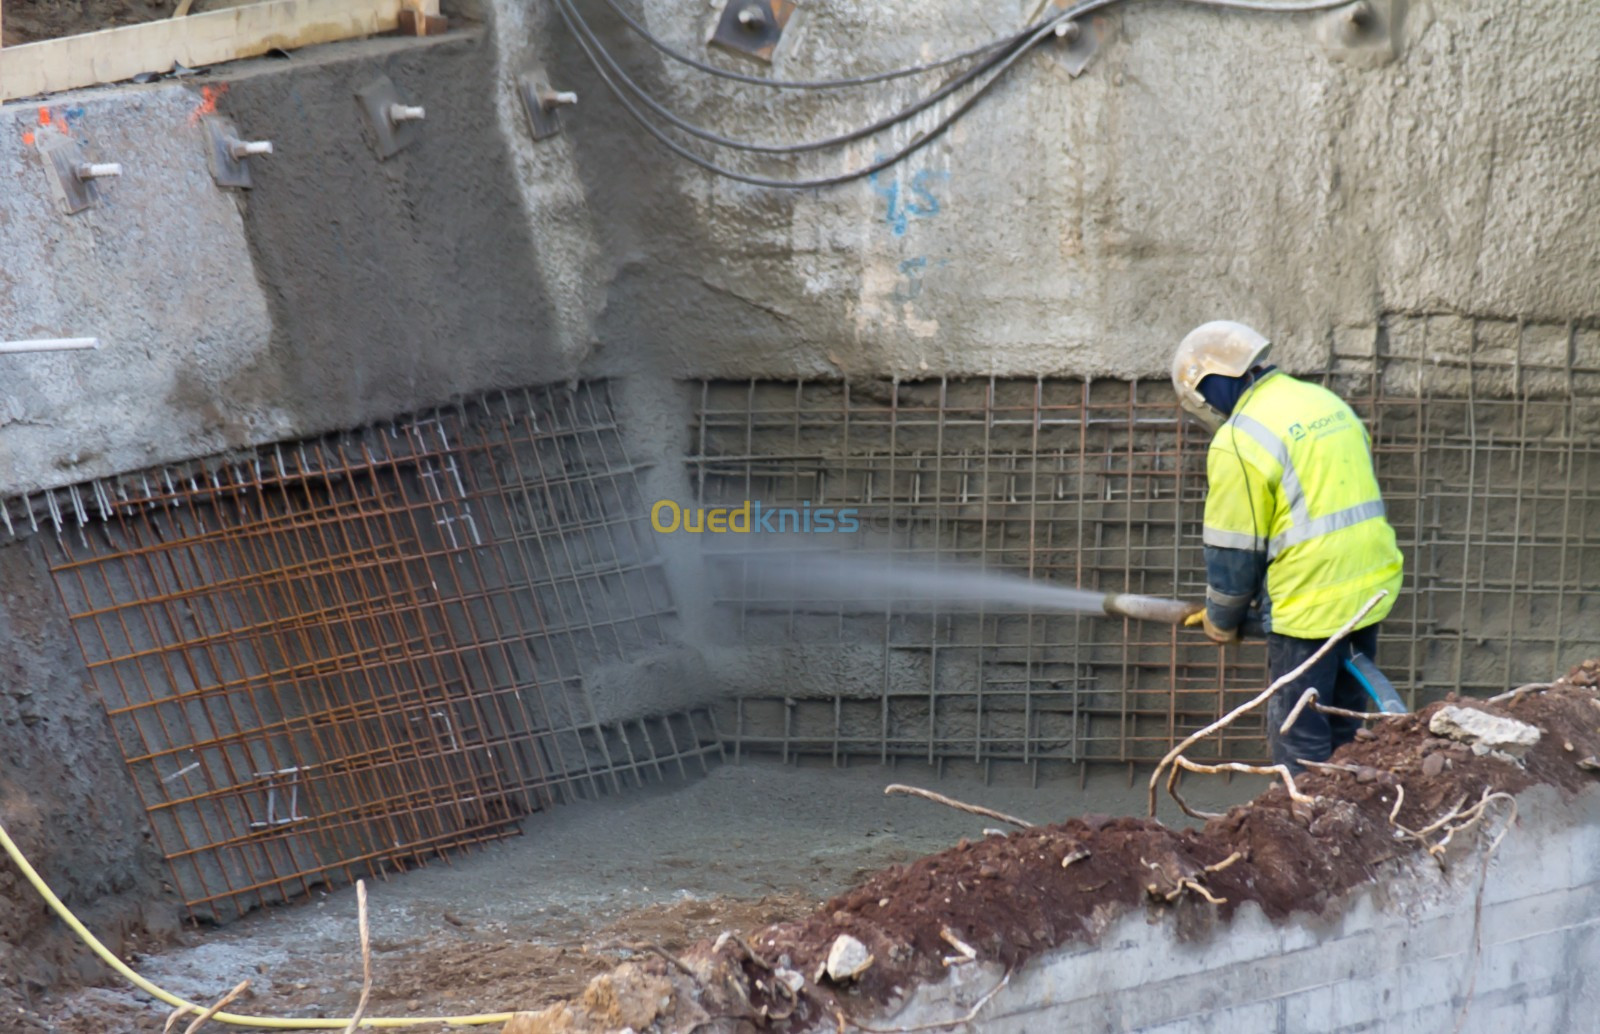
<point x="64" y="795"/>
<point x="158" y="270"/>
<point x="1405" y="955"/>
<point x="339" y="291"/>
<point x="1065" y="226"/>
<point x="1207" y="163"/>
<point x="397" y="282"/>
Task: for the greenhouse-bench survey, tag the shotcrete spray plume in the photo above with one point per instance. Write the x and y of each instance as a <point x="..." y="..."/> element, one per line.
<point x="871" y="582"/>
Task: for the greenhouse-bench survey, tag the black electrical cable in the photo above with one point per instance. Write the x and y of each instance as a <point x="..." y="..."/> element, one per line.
<point x="1028" y="40"/>
<point x="920" y="142"/>
<point x="814" y="84"/>
<point x="814" y="145"/>
<point x="899" y="73"/>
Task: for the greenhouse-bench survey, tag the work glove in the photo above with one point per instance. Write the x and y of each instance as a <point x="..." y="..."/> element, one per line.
<point x="1202" y="620"/>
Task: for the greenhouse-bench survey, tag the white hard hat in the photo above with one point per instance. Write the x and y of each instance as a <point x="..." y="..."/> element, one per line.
<point x="1221" y="347"/>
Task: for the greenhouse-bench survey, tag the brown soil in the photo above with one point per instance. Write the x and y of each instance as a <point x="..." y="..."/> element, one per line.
<point x="451" y="968"/>
<point x="472" y="973"/>
<point x="28" y="21"/>
<point x="1011" y="898"/>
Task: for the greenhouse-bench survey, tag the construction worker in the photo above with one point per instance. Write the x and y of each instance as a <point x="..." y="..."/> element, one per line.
<point x="1294" y="524"/>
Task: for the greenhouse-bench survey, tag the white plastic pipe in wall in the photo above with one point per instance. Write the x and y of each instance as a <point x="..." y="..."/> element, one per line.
<point x="50" y="344"/>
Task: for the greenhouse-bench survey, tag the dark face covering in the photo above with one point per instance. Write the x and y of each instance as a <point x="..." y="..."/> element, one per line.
<point x="1223" y="393"/>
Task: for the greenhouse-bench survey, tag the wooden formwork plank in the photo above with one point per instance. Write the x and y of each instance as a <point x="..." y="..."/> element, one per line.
<point x="51" y="66"/>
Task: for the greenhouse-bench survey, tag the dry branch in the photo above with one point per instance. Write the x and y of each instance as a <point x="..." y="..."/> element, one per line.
<point x="1200" y="890"/>
<point x="1262" y="697"/>
<point x="366" y="957"/>
<point x="1532" y="687"/>
<point x="216" y="1007"/>
<point x="1331" y="766"/>
<point x="1226" y="862"/>
<point x="1309" y="699"/>
<point x="1457" y="819"/>
<point x="1181" y="763"/>
<point x="951" y="802"/>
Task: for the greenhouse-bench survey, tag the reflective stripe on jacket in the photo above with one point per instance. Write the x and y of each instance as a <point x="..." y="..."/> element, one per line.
<point x="1290" y="476"/>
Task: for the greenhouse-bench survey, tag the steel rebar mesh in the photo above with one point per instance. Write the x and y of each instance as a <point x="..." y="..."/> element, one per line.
<point x="332" y="657"/>
<point x="1489" y="468"/>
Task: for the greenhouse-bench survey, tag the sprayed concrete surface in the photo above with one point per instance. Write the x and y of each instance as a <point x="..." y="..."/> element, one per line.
<point x="1415" y="196"/>
<point x="1207" y="163"/>
<point x="1433" y="199"/>
<point x="528" y="920"/>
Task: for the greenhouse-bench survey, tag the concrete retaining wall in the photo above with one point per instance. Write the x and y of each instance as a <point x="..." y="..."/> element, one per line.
<point x="1208" y="163"/>
<point x="1066" y="226"/>
<point x="1398" y="958"/>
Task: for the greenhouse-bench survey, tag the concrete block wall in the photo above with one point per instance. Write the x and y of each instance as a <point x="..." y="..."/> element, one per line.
<point x="1396" y="957"/>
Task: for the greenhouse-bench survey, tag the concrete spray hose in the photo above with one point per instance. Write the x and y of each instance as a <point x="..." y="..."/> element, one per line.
<point x="270" y="1022"/>
<point x="1148" y="608"/>
<point x="1145" y="608"/>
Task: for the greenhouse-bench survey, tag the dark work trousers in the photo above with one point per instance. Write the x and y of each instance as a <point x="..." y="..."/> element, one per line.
<point x="1314" y="735"/>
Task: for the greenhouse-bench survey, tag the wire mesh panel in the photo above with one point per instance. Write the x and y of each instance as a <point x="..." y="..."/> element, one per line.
<point x="1495" y="495"/>
<point x="1093" y="484"/>
<point x="333" y="656"/>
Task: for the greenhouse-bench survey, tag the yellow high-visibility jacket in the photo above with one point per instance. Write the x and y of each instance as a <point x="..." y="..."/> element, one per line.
<point x="1291" y="485"/>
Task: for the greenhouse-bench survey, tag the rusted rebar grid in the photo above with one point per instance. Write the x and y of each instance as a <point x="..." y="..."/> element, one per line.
<point x="338" y="656"/>
<point x="993" y="473"/>
<point x="1182" y="764"/>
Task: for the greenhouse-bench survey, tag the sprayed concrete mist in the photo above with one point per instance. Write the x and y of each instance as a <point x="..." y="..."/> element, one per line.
<point x="876" y="580"/>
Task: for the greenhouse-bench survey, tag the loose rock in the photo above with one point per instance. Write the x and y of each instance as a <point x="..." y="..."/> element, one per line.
<point x="1485" y="732"/>
<point x="848" y="958"/>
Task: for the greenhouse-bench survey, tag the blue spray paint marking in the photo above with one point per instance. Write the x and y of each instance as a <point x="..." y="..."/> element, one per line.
<point x="913" y="270"/>
<point x="918" y="202"/>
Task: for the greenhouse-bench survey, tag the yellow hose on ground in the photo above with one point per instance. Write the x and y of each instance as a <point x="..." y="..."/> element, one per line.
<point x="238" y="1020"/>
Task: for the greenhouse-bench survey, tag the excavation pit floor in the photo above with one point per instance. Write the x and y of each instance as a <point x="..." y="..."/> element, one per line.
<point x="1004" y="900"/>
<point x="531" y="920"/>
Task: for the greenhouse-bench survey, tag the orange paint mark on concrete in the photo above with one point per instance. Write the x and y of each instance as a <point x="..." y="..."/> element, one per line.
<point x="27" y="139"/>
<point x="46" y="120"/>
<point x="208" y="102"/>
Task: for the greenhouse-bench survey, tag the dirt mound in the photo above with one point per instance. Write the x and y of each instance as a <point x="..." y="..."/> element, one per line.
<point x="1008" y="898"/>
